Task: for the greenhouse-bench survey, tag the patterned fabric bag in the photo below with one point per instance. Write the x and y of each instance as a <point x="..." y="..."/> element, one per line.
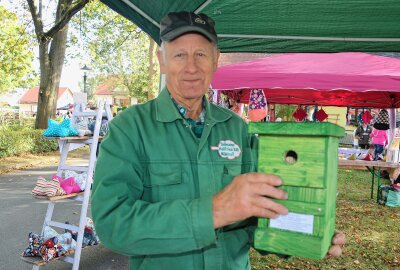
<point x="63" y="129"/>
<point x="35" y="242"/>
<point x="90" y="237"/>
<point x="103" y="127"/>
<point x="47" y="188"/>
<point x="51" y="249"/>
<point x="49" y="246"/>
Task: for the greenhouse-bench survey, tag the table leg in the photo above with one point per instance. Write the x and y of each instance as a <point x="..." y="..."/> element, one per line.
<point x="379" y="183"/>
<point x="373" y="181"/>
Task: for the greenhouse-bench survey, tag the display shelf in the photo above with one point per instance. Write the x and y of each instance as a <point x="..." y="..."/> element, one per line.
<point x="38" y="261"/>
<point x="66" y="145"/>
<point x="57" y="198"/>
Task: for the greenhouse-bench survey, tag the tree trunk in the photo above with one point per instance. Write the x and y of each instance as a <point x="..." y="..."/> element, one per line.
<point x="152" y="72"/>
<point x="51" y="64"/>
<point x="52" y="46"/>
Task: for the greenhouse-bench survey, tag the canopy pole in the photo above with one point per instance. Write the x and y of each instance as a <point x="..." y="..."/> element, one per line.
<point x="392" y="124"/>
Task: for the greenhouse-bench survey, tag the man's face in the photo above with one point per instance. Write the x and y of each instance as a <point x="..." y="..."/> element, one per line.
<point x="189" y="65"/>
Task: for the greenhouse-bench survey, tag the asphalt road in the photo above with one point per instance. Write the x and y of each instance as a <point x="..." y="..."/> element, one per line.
<point x="20" y="214"/>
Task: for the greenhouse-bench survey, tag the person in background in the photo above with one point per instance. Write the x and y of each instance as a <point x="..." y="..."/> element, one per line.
<point x="362" y="135"/>
<point x="183" y="192"/>
<point x="379" y="136"/>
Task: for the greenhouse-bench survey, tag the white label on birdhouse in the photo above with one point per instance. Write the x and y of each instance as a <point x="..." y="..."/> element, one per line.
<point x="294" y="222"/>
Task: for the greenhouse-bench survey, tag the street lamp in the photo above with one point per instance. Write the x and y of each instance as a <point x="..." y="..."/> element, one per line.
<point x="85" y="69"/>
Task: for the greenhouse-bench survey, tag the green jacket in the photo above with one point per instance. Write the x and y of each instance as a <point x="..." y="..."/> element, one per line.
<point x="154" y="182"/>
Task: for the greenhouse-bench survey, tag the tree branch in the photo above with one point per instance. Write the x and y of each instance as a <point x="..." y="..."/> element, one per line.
<point x="37" y="20"/>
<point x="66" y="17"/>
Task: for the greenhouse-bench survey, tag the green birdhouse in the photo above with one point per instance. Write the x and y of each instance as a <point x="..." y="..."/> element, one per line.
<point x="305" y="156"/>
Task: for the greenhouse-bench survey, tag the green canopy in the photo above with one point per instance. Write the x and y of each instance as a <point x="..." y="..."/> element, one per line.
<point x="282" y="25"/>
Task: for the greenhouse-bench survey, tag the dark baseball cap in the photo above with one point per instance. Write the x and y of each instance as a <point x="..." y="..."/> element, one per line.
<point x="176" y="24"/>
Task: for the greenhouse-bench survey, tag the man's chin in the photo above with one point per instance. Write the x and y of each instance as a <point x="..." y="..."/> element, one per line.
<point x="194" y="93"/>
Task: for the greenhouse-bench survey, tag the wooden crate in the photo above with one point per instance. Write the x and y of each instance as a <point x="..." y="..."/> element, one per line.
<point x="305" y="156"/>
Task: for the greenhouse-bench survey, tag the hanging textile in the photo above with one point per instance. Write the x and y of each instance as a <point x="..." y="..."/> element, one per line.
<point x="257" y="105"/>
<point x="382" y="120"/>
<point x="300" y="114"/>
<point x="321" y="115"/>
<point x="213" y="96"/>
<point x="366" y="117"/>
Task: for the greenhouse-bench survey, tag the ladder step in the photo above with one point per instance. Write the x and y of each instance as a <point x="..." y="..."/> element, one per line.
<point x="75" y="196"/>
<point x="85" y="114"/>
<point x="74" y="168"/>
<point x="63" y="225"/>
<point x="39" y="261"/>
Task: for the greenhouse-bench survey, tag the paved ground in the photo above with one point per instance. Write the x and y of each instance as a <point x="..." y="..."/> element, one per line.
<point x="20" y="214"/>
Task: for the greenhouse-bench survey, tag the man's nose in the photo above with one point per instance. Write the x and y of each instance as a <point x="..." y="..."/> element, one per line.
<point x="191" y="64"/>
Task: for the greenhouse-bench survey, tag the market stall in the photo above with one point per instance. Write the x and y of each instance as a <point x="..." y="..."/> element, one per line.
<point x="324" y="79"/>
<point x="282" y="26"/>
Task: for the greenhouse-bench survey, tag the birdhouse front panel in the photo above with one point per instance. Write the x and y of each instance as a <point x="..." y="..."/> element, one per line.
<point x="305" y="156"/>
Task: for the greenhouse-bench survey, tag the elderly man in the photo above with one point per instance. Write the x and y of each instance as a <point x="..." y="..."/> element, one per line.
<point x="175" y="186"/>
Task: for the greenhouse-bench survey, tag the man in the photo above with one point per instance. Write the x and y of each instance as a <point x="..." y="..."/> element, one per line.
<point x="174" y="187"/>
<point x="362" y="134"/>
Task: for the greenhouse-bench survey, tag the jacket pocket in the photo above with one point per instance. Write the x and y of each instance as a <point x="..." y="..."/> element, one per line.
<point x="229" y="172"/>
<point x="164" y="182"/>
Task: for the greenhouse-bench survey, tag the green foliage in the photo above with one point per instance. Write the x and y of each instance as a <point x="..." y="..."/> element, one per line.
<point x="285" y="111"/>
<point x="371" y="231"/>
<point x="16" y="55"/>
<point x="17" y="142"/>
<point x="11" y="122"/>
<point x="118" y="49"/>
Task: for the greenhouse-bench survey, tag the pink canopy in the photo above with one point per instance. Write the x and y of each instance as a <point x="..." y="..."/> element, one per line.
<point x="336" y="79"/>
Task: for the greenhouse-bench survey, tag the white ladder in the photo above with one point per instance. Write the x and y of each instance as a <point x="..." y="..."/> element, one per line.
<point x="66" y="145"/>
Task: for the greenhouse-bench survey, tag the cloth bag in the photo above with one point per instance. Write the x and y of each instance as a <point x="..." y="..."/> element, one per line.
<point x="68" y="185"/>
<point x="47" y="187"/>
<point x="393" y="199"/>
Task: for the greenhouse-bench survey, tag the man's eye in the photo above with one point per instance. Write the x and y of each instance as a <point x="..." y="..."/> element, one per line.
<point x="179" y="55"/>
<point x="201" y="54"/>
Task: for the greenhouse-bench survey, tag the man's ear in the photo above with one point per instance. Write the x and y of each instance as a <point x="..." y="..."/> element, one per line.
<point x="216" y="60"/>
<point x="161" y="62"/>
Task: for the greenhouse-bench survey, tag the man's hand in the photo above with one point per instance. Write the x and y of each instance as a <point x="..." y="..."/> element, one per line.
<point x="246" y="196"/>
<point x="338" y="241"/>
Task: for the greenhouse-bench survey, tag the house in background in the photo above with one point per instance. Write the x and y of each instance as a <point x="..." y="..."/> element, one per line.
<point x="29" y="101"/>
<point x="109" y="92"/>
<point x="11" y="99"/>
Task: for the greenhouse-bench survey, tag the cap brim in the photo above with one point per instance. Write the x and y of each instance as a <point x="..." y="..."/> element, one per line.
<point x="177" y="32"/>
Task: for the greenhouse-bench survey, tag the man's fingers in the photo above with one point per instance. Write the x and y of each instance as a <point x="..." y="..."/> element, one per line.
<point x="267" y="190"/>
<point x="265" y="206"/>
<point x="339" y="239"/>
<point x="335" y="251"/>
<point x="269" y="179"/>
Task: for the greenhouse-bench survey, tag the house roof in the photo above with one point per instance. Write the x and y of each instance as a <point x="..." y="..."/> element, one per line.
<point x="31" y="96"/>
<point x="111" y="86"/>
<point x="105" y="88"/>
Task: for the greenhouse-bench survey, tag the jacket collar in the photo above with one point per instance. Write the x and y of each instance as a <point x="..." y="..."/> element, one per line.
<point x="166" y="110"/>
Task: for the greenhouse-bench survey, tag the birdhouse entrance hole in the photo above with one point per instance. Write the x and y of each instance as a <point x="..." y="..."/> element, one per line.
<point x="291" y="157"/>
